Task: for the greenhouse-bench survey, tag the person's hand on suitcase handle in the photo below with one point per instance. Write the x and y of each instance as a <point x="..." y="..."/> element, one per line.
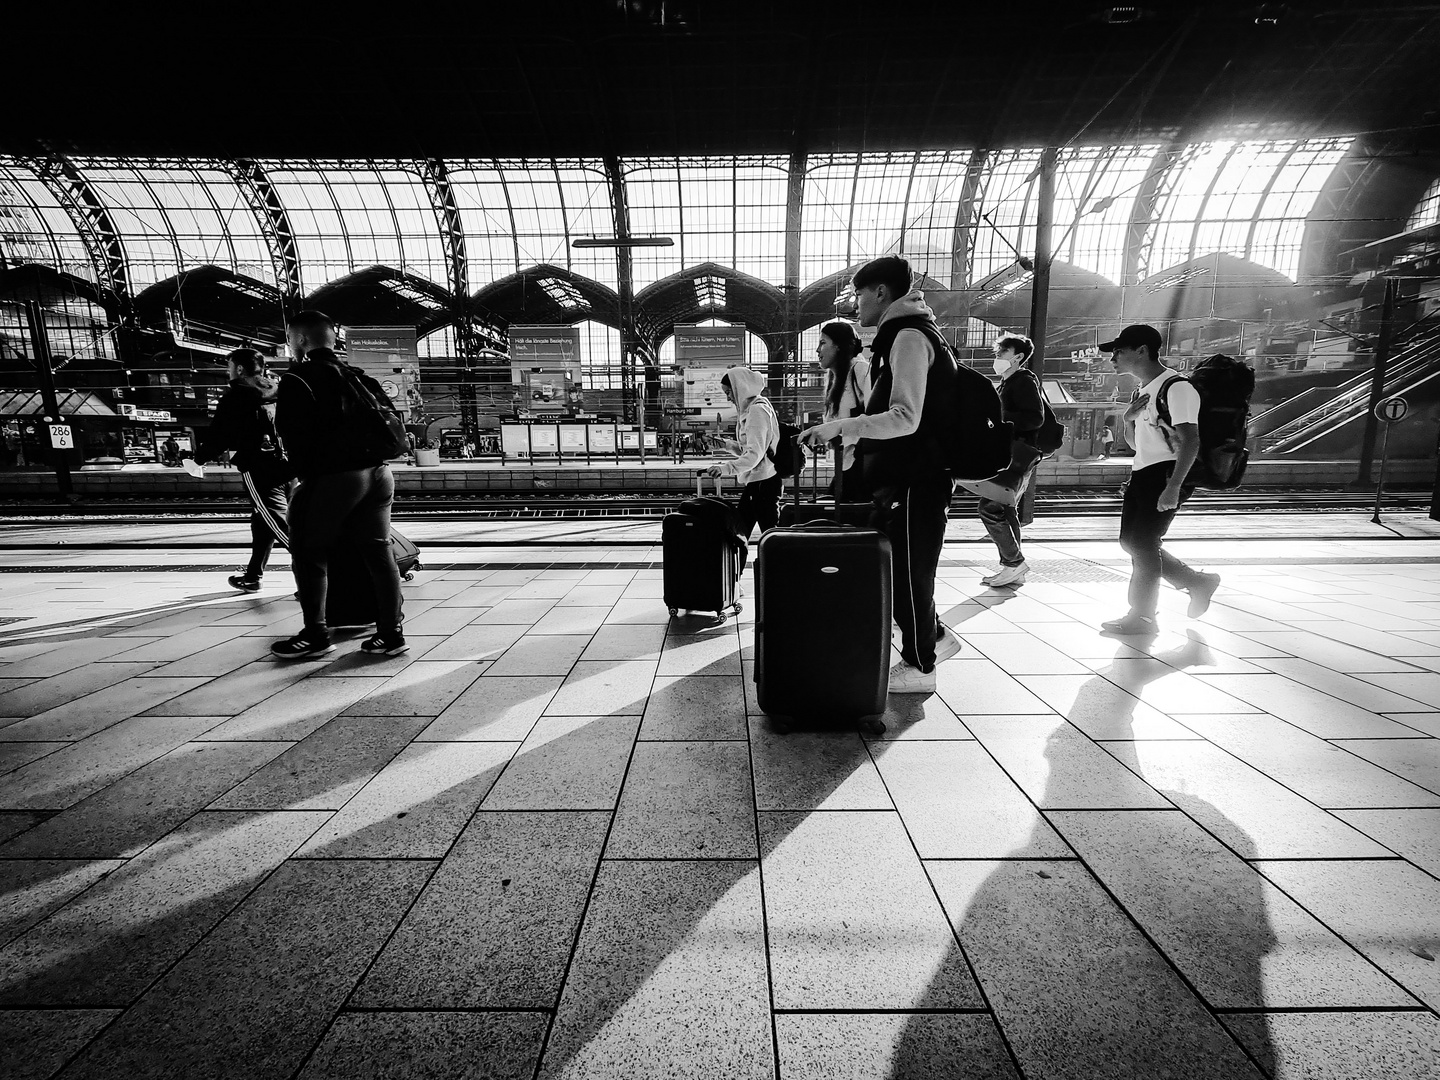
<point x="821" y="435"/>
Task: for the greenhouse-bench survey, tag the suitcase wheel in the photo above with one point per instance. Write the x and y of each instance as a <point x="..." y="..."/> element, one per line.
<point x="872" y="727"/>
<point x="674" y="611"/>
<point x="408" y="577"/>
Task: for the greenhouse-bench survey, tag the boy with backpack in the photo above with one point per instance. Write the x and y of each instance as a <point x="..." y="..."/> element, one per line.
<point x="1162" y="423"/>
<point x="902" y="433"/>
<point x="338" y="428"/>
<point x="244" y="424"/>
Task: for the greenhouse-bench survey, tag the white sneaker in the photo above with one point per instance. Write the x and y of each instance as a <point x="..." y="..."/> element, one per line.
<point x="905" y="679"/>
<point x="946" y="645"/>
<point x="1008" y="575"/>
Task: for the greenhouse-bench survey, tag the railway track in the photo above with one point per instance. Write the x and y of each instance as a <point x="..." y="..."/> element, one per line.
<point x="463" y="506"/>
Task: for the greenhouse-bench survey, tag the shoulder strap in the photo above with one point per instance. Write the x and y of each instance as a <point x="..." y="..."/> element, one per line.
<point x="1162" y="398"/>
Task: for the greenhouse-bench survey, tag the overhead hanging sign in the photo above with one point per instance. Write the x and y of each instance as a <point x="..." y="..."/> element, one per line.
<point x="389" y="355"/>
<point x="545" y="368"/>
<point x="703" y="353"/>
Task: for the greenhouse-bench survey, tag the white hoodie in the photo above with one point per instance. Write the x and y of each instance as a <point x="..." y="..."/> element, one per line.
<point x="757" y="430"/>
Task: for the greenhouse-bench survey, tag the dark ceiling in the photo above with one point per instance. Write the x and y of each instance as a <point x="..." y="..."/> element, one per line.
<point x="633" y="77"/>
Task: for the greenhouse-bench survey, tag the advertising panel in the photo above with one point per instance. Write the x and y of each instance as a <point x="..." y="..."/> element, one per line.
<point x="704" y="352"/>
<point x="572" y="438"/>
<point x="543" y="439"/>
<point x="389" y="356"/>
<point x="545" y="368"/>
<point x="515" y="440"/>
<point x="601" y="438"/>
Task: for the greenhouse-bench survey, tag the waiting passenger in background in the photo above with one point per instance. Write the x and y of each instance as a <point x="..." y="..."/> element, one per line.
<point x="847" y="385"/>
<point x="757" y="434"/>
<point x="1107" y="439"/>
<point x="1020" y="403"/>
<point x="343" y="494"/>
<point x="1156" y="489"/>
<point x="244" y="424"/>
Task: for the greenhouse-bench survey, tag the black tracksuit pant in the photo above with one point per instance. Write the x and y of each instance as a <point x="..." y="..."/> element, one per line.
<point x="269" y="496"/>
<point x="915" y="524"/>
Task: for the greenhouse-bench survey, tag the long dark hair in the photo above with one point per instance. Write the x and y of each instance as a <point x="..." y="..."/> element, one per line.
<point x="848" y="346"/>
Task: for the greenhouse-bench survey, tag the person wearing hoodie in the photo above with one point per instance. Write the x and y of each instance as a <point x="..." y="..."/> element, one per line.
<point x="344" y="493"/>
<point x="1021" y="404"/>
<point x="244" y="424"/>
<point x="912" y="375"/>
<point x="757" y="433"/>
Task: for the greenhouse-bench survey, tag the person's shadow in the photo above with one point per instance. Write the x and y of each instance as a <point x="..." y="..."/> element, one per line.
<point x="1078" y="988"/>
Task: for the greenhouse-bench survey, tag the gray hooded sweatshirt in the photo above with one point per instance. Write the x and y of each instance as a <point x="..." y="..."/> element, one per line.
<point x="757" y="430"/>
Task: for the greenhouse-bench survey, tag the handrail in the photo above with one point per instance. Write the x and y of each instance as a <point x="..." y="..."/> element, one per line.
<point x="1356" y="398"/>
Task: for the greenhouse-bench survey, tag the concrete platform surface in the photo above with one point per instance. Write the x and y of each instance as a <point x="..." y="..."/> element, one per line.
<point x="558" y="838"/>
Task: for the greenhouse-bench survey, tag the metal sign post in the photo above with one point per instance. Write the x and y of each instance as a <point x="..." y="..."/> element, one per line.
<point x="1391" y="411"/>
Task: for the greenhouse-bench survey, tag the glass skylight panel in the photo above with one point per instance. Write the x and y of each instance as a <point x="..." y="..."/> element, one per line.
<point x="930" y="212"/>
<point x="599" y="355"/>
<point x="34" y="228"/>
<point x="563" y="293"/>
<point x="825" y="217"/>
<point x="1006" y="199"/>
<point x="1095" y="192"/>
<point x="1427" y="210"/>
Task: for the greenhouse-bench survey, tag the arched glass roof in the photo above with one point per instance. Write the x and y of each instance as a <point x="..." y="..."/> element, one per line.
<point x="173" y="216"/>
<point x="1123" y="212"/>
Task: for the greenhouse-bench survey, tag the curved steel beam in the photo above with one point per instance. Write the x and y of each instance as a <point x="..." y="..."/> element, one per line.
<point x="1164" y="167"/>
<point x="274" y="223"/>
<point x="92" y="221"/>
<point x="452" y="237"/>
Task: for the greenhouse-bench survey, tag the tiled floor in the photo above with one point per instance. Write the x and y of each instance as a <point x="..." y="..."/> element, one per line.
<point x="557" y="838"/>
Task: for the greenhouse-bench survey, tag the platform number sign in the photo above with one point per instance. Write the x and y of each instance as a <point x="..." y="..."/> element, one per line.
<point x="61" y="437"/>
<point x="1392" y="409"/>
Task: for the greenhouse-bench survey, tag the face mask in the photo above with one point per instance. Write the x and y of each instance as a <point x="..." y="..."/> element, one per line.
<point x="1001" y="367"/>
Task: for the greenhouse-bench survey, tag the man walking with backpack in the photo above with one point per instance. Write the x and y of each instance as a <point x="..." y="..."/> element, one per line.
<point x="245" y="425"/>
<point x="1164" y="452"/>
<point x="912" y="376"/>
<point x="345" y="490"/>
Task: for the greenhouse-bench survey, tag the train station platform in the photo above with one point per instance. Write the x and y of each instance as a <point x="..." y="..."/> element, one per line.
<point x="557" y="838"/>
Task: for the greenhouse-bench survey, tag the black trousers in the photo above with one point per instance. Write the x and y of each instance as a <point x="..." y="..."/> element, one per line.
<point x="759" y="504"/>
<point x="352" y="506"/>
<point x="269" y="497"/>
<point x="1142" y="533"/>
<point x="913" y="518"/>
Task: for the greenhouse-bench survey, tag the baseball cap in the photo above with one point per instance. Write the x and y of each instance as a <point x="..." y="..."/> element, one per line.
<point x="1133" y="337"/>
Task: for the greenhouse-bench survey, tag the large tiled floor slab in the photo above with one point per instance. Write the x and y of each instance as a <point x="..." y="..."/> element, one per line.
<point x="557" y="838"/>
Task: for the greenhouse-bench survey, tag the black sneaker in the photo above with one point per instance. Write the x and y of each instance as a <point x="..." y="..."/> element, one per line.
<point x="302" y="645"/>
<point x="245" y="582"/>
<point x="385" y="645"/>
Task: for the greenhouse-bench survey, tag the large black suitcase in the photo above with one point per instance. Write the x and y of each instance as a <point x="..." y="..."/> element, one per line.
<point x="703" y="558"/>
<point x="822" y="623"/>
<point x="350" y="593"/>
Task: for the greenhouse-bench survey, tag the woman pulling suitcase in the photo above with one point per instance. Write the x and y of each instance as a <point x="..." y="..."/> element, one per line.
<point x="757" y="434"/>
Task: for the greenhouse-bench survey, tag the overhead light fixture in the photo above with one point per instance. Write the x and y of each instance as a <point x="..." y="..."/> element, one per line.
<point x="622" y="241"/>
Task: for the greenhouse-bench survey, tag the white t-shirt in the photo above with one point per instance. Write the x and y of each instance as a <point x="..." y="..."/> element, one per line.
<point x="1183" y="401"/>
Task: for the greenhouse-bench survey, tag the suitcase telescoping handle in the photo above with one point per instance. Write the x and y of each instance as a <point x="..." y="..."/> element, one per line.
<point x="700" y="483"/>
<point x="838" y="447"/>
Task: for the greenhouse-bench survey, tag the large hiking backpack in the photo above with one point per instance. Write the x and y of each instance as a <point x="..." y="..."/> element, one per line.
<point x="977" y="444"/>
<point x="1225" y="385"/>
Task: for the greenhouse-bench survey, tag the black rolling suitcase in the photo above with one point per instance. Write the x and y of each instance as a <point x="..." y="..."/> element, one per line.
<point x="350" y="594"/>
<point x="795" y="512"/>
<point x="703" y="556"/>
<point x="822" y="624"/>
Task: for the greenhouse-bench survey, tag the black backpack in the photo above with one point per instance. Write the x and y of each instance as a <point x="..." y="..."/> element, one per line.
<point x="1050" y="435"/>
<point x="369" y="427"/>
<point x="977" y="444"/>
<point x="1225" y="385"/>
<point x="786" y="454"/>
